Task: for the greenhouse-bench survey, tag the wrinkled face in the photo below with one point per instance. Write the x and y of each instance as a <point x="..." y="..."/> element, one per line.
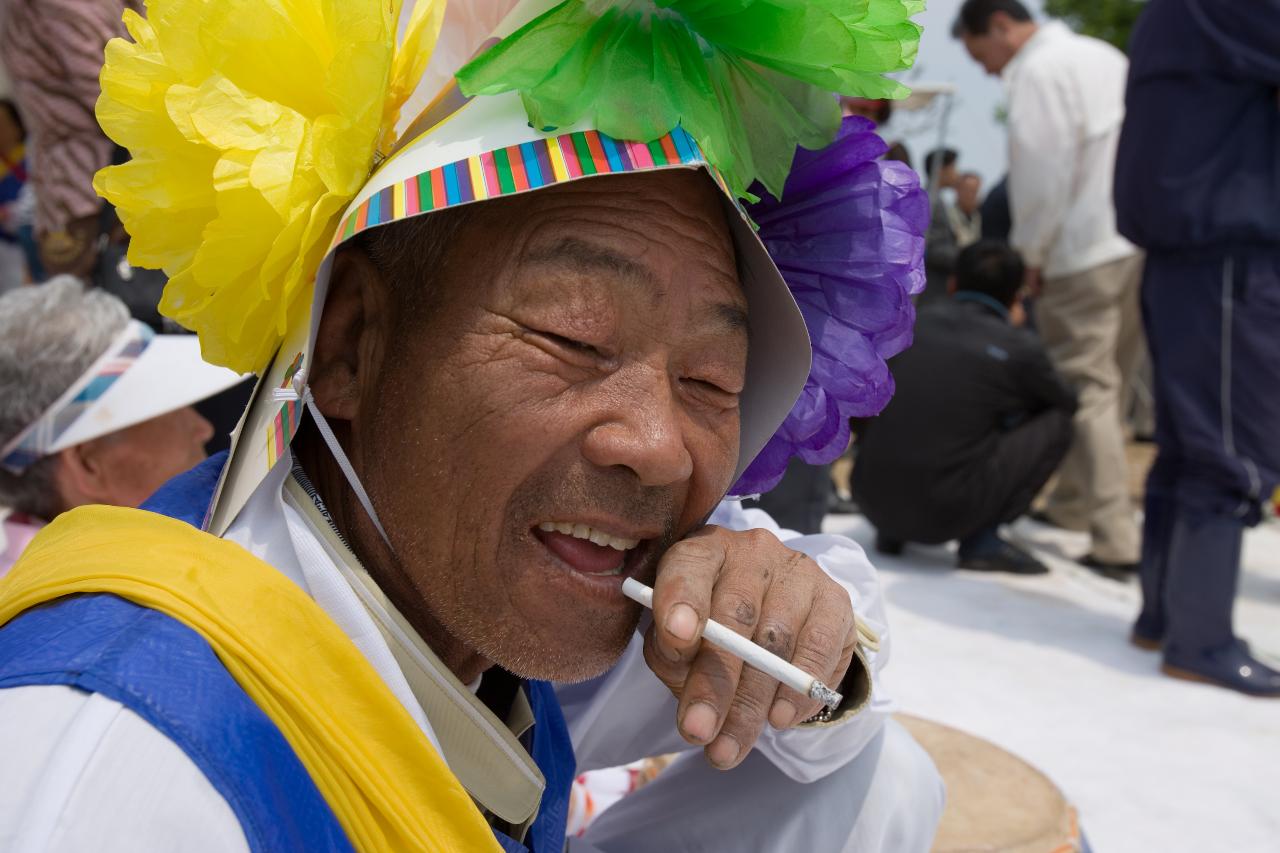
<point x="135" y="461"/>
<point x="569" y="410"/>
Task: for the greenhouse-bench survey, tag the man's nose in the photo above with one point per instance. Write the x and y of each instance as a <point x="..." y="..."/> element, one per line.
<point x="643" y="431"/>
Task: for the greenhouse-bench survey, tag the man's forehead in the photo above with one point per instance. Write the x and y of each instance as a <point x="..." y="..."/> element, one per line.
<point x="579" y="254"/>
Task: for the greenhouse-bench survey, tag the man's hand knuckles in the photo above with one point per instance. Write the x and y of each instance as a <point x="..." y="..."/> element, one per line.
<point x="818" y="647"/>
<point x="735" y="607"/>
<point x="747" y="718"/>
<point x="713" y="677"/>
<point x="699" y="550"/>
<point x="666" y="669"/>
<point x="757" y="539"/>
<point x="776" y="635"/>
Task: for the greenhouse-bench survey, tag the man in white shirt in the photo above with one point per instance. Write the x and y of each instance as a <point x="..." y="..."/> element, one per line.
<point x="1066" y="105"/>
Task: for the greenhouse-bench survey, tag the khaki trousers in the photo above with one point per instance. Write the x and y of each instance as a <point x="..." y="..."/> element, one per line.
<point x="1092" y="328"/>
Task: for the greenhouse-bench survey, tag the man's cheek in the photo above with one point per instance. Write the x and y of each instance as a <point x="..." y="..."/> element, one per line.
<point x="715" y="461"/>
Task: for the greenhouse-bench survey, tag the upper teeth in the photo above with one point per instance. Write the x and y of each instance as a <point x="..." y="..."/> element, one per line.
<point x="583" y="531"/>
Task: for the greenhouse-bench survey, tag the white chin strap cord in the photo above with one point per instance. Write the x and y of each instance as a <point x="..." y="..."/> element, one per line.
<point x="300" y="390"/>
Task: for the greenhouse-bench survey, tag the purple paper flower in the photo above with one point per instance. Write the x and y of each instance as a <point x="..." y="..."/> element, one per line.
<point x="848" y="237"/>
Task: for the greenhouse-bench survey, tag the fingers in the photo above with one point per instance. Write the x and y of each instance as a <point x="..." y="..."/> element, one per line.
<point x="751" y="583"/>
<point x="682" y="595"/>
<point x="724" y="703"/>
<point x="824" y="649"/>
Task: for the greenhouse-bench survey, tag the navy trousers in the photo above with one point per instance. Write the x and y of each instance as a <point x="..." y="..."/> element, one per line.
<point x="1213" y="325"/>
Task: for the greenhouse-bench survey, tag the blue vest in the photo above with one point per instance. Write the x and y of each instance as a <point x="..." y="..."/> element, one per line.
<point x="167" y="674"/>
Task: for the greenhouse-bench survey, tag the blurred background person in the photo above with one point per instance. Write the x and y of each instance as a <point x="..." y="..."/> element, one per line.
<point x="1066" y="104"/>
<point x="879" y="110"/>
<point x="1202" y="198"/>
<point x="994" y="213"/>
<point x="94" y="407"/>
<point x="966" y="213"/>
<point x="978" y="423"/>
<point x="941" y="245"/>
<point x="52" y="50"/>
<point x="15" y="199"/>
<point x="801" y="499"/>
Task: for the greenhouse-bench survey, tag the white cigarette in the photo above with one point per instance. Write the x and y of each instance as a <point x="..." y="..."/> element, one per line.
<point x="757" y="656"/>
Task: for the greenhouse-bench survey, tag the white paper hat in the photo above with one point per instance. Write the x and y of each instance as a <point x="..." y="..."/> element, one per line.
<point x="465" y="151"/>
<point x="140" y="376"/>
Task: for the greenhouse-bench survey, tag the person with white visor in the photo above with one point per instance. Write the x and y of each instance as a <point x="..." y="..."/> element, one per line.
<point x="94" y="407"/>
<point x="515" y="351"/>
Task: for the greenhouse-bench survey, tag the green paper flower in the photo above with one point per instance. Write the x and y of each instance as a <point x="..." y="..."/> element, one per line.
<point x="749" y="79"/>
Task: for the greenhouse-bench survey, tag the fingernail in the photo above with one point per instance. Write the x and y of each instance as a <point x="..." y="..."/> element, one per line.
<point x="724" y="751"/>
<point x="782" y="714"/>
<point x="682" y="622"/>
<point x="700" y="721"/>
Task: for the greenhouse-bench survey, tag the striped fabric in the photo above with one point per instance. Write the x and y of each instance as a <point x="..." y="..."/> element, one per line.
<point x="285" y="424"/>
<point x="52" y="50"/>
<point x="41" y="437"/>
<point x="516" y="169"/>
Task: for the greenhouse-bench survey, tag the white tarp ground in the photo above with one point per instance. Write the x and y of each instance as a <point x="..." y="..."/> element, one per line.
<point x="1042" y="667"/>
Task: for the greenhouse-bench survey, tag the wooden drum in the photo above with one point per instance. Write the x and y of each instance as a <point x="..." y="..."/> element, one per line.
<point x="996" y="802"/>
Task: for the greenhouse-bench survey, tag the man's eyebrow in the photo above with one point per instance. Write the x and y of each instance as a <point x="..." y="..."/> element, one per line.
<point x="572" y="252"/>
<point x="576" y="253"/>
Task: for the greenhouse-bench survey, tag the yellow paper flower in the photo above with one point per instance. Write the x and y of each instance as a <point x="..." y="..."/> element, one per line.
<point x="251" y="124"/>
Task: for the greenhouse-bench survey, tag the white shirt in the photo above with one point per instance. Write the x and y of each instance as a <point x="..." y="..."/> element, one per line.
<point x="1066" y="105"/>
<point x="82" y="772"/>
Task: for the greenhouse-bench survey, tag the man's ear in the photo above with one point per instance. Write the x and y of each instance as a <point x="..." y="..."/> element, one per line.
<point x="351" y="335"/>
<point x="82" y="476"/>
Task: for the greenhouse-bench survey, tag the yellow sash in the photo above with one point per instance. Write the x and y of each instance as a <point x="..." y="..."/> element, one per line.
<point x="386" y="784"/>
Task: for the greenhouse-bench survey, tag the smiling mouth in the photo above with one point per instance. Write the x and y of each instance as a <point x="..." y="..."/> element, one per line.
<point x="588" y="550"/>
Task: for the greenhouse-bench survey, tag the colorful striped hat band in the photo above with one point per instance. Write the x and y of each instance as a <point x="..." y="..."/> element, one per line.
<point x="519" y="168"/>
<point x="42" y="436"/>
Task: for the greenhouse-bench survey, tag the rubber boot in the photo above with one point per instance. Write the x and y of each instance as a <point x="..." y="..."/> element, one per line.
<point x="1157" y="531"/>
<point x="1203" y="571"/>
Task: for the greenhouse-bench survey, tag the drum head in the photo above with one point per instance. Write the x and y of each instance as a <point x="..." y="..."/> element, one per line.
<point x="996" y="802"/>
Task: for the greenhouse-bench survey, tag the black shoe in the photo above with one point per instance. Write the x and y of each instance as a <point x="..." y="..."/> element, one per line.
<point x="1231" y="666"/>
<point x="1148" y="632"/>
<point x="998" y="555"/>
<point x="1112" y="571"/>
<point x="888" y="546"/>
<point x="844" y="506"/>
<point x="1146" y="642"/>
<point x="1042" y="517"/>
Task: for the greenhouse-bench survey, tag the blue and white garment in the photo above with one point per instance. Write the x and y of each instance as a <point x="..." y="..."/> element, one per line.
<point x="169" y="676"/>
<point x="92" y="774"/>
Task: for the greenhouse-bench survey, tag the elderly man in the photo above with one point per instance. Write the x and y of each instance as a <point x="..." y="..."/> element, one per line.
<point x="512" y="406"/>
<point x="95" y="409"/>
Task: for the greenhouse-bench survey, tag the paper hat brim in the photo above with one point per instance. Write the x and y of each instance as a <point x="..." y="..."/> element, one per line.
<point x="167" y="376"/>
<point x="483" y="148"/>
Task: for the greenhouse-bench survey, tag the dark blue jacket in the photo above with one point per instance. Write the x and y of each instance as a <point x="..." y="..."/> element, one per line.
<point x="1198" y="166"/>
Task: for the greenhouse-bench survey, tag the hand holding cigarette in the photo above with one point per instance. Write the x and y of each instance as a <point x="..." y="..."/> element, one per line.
<point x="751" y="654"/>
<point x="754" y="587"/>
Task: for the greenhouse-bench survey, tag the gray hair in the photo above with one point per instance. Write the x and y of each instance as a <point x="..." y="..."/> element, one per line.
<point x="411" y="256"/>
<point x="50" y="334"/>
